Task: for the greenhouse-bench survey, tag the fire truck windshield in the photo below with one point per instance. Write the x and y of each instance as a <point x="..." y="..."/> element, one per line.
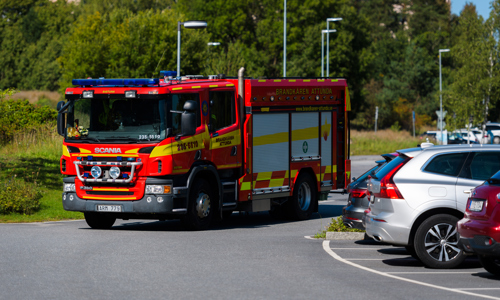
<point x="116" y="119"/>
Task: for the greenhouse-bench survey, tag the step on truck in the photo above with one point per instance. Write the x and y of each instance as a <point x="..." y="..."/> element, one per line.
<point x="198" y="148"/>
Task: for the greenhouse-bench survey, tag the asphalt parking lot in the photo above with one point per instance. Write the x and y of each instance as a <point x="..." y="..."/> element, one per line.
<point x="468" y="281"/>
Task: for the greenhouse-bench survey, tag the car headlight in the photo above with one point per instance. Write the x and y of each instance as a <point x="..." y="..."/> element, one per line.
<point x="114" y="172"/>
<point x="69" y="187"/>
<point x="158" y="189"/>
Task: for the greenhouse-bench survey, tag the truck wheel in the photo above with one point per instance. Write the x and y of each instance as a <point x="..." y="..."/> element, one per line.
<point x="201" y="206"/>
<point x="99" y="221"/>
<point x="496" y="140"/>
<point x="301" y="204"/>
<point x="490" y="264"/>
<point x="436" y="242"/>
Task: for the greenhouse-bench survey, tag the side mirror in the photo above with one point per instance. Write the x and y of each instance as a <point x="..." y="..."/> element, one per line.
<point x="188" y="118"/>
<point x="61" y="121"/>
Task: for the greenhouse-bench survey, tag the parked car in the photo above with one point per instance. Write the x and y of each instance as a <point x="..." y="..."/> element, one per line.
<point x="358" y="202"/>
<point x="418" y="197"/>
<point x="494" y="128"/>
<point x="456" y="138"/>
<point x="472" y="135"/>
<point x="478" y="230"/>
<point x="431" y="135"/>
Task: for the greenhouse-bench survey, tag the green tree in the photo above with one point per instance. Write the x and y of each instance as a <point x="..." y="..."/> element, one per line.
<point x="474" y="89"/>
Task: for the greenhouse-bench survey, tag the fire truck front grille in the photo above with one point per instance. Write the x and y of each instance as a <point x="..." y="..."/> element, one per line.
<point x="108" y="193"/>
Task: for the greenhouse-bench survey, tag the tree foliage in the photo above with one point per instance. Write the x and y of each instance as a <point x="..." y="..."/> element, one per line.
<point x="386" y="49"/>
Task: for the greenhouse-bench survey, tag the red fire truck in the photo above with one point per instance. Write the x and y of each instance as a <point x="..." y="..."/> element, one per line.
<point x="198" y="148"/>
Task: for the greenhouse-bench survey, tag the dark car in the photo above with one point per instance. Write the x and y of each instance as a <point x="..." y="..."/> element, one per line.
<point x="456" y="138"/>
<point x="358" y="202"/>
<point x="479" y="230"/>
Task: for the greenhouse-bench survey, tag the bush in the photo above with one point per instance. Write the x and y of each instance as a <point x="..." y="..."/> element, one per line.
<point x="19" y="196"/>
<point x="337" y="225"/>
<point x="17" y="115"/>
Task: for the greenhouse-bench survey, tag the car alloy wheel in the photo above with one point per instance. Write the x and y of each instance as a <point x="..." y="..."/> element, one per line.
<point x="441" y="242"/>
<point x="436" y="242"/>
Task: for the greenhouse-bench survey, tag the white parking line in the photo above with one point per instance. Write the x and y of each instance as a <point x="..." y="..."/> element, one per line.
<point x="365" y="258"/>
<point x="326" y="247"/>
<point x="477" y="289"/>
<point x="364" y="248"/>
<point x="436" y="272"/>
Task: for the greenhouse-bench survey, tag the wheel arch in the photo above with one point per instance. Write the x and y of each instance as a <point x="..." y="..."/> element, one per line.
<point x="208" y="173"/>
<point x="425" y="215"/>
<point x="310" y="172"/>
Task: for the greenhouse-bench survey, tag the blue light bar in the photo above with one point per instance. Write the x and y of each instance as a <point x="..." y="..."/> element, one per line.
<point x="168" y="73"/>
<point x="124" y="82"/>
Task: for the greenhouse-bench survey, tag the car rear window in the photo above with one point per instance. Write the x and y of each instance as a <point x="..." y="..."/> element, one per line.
<point x="447" y="164"/>
<point x="380" y="173"/>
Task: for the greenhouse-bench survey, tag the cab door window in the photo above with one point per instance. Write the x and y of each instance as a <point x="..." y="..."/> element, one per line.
<point x="222" y="109"/>
<point x="178" y="101"/>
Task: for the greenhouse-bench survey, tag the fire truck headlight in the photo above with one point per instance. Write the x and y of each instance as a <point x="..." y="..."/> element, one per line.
<point x="158" y="189"/>
<point x="69" y="187"/>
<point x="96" y="171"/>
<point x="114" y="172"/>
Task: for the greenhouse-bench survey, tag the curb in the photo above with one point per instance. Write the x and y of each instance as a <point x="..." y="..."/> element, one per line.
<point x="345" y="235"/>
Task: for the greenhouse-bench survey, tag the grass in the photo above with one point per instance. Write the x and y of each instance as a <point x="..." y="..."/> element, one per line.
<point x="336" y="226"/>
<point x="31" y="153"/>
<point x="380" y="142"/>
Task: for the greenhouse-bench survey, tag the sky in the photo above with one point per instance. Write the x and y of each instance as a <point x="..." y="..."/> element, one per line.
<point x="482" y="6"/>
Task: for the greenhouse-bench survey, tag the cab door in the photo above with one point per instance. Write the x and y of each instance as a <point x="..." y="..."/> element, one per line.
<point x="224" y="130"/>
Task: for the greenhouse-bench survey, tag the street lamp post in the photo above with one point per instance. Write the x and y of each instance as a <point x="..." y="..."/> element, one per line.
<point x="441" y="95"/>
<point x="187" y="24"/>
<point x="322" y="49"/>
<point x="284" y="42"/>
<point x="328" y="20"/>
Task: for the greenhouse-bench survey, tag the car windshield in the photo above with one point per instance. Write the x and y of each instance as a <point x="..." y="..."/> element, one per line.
<point x="116" y="119"/>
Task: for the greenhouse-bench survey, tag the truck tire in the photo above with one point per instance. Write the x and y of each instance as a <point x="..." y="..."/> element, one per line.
<point x="490" y="264"/>
<point x="201" y="206"/>
<point x="99" y="221"/>
<point x="436" y="242"/>
<point x="301" y="204"/>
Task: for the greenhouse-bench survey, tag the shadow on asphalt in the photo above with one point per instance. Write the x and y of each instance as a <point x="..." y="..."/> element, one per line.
<point x="237" y="220"/>
<point x="487" y="275"/>
<point x="469" y="263"/>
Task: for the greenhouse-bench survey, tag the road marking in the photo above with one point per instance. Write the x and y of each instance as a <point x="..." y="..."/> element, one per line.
<point x="367" y="248"/>
<point x="326" y="247"/>
<point x="477" y="289"/>
<point x="365" y="258"/>
<point x="437" y="272"/>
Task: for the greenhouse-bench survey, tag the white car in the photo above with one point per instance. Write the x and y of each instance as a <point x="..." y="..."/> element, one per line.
<point x="495" y="130"/>
<point x="418" y="197"/>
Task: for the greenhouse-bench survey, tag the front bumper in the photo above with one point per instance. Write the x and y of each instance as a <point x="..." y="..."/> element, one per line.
<point x="149" y="204"/>
<point x="167" y="204"/>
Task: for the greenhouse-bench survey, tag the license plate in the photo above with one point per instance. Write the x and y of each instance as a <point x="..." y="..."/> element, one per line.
<point x="476" y="205"/>
<point x="110" y="208"/>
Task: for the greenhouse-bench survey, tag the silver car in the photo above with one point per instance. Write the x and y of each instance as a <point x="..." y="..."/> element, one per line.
<point x="417" y="198"/>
